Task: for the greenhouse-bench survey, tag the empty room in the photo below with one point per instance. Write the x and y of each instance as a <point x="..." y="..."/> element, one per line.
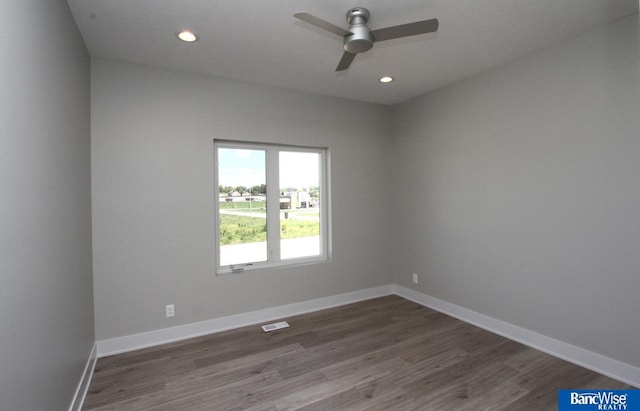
<point x="304" y="205"/>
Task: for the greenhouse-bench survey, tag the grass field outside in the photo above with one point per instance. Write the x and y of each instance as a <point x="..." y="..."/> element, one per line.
<point x="236" y="229"/>
<point x="241" y="205"/>
<point x="241" y="225"/>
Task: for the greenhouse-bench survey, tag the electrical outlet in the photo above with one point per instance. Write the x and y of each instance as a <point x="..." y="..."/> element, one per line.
<point x="170" y="310"/>
<point x="415" y="278"/>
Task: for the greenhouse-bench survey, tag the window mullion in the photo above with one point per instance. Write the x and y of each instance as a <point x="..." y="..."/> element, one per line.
<point x="273" y="206"/>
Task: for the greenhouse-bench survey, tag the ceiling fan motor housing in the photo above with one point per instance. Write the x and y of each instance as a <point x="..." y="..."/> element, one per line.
<point x="361" y="39"/>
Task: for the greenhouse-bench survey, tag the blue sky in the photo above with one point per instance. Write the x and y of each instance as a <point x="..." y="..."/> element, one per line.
<point x="241" y="167"/>
<point x="247" y="168"/>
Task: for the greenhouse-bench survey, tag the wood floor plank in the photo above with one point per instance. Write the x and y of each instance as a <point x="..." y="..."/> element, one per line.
<point x="342" y="400"/>
<point x="354" y="377"/>
<point x="225" y="374"/>
<point x="494" y="397"/>
<point x="386" y="353"/>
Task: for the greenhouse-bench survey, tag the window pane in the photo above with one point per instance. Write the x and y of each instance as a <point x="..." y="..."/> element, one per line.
<point x="242" y="198"/>
<point x="271" y="206"/>
<point x="299" y="204"/>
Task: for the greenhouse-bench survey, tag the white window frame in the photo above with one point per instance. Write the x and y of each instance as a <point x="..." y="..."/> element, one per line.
<point x="273" y="206"/>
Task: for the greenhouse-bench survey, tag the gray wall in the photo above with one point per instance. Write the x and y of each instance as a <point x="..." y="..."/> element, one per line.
<point x="46" y="297"/>
<point x="152" y="190"/>
<point x="521" y="192"/>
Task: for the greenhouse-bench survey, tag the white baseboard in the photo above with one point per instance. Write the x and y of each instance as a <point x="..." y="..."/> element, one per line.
<point x="588" y="359"/>
<point x="579" y="356"/>
<point x="85" y="381"/>
<point x="181" y="332"/>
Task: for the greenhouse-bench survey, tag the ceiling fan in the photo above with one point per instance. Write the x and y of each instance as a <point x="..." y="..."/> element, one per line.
<point x="359" y="38"/>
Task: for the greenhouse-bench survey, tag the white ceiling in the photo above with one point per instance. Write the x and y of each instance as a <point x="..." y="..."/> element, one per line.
<point x="261" y="42"/>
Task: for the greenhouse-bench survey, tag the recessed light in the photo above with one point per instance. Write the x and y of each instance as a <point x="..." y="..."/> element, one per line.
<point x="385" y="79"/>
<point x="187" y="36"/>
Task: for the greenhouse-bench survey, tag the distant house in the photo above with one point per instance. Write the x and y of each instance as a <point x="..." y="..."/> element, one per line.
<point x="236" y="197"/>
<point x="294" y="199"/>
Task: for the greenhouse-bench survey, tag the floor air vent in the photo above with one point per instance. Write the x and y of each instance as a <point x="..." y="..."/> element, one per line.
<point x="275" y="326"/>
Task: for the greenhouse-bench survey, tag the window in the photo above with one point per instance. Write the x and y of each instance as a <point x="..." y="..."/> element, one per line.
<point x="271" y="205"/>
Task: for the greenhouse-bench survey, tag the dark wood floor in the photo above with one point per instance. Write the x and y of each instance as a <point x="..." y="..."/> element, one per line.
<point x="383" y="354"/>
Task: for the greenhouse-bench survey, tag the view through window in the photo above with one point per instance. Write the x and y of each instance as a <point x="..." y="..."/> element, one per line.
<point x="271" y="205"/>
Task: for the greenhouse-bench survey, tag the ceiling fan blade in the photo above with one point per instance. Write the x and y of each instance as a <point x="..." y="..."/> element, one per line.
<point x="345" y="61"/>
<point x="318" y="22"/>
<point x="405" y="30"/>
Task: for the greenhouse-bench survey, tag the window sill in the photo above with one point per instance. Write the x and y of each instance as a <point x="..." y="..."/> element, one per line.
<point x="293" y="263"/>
